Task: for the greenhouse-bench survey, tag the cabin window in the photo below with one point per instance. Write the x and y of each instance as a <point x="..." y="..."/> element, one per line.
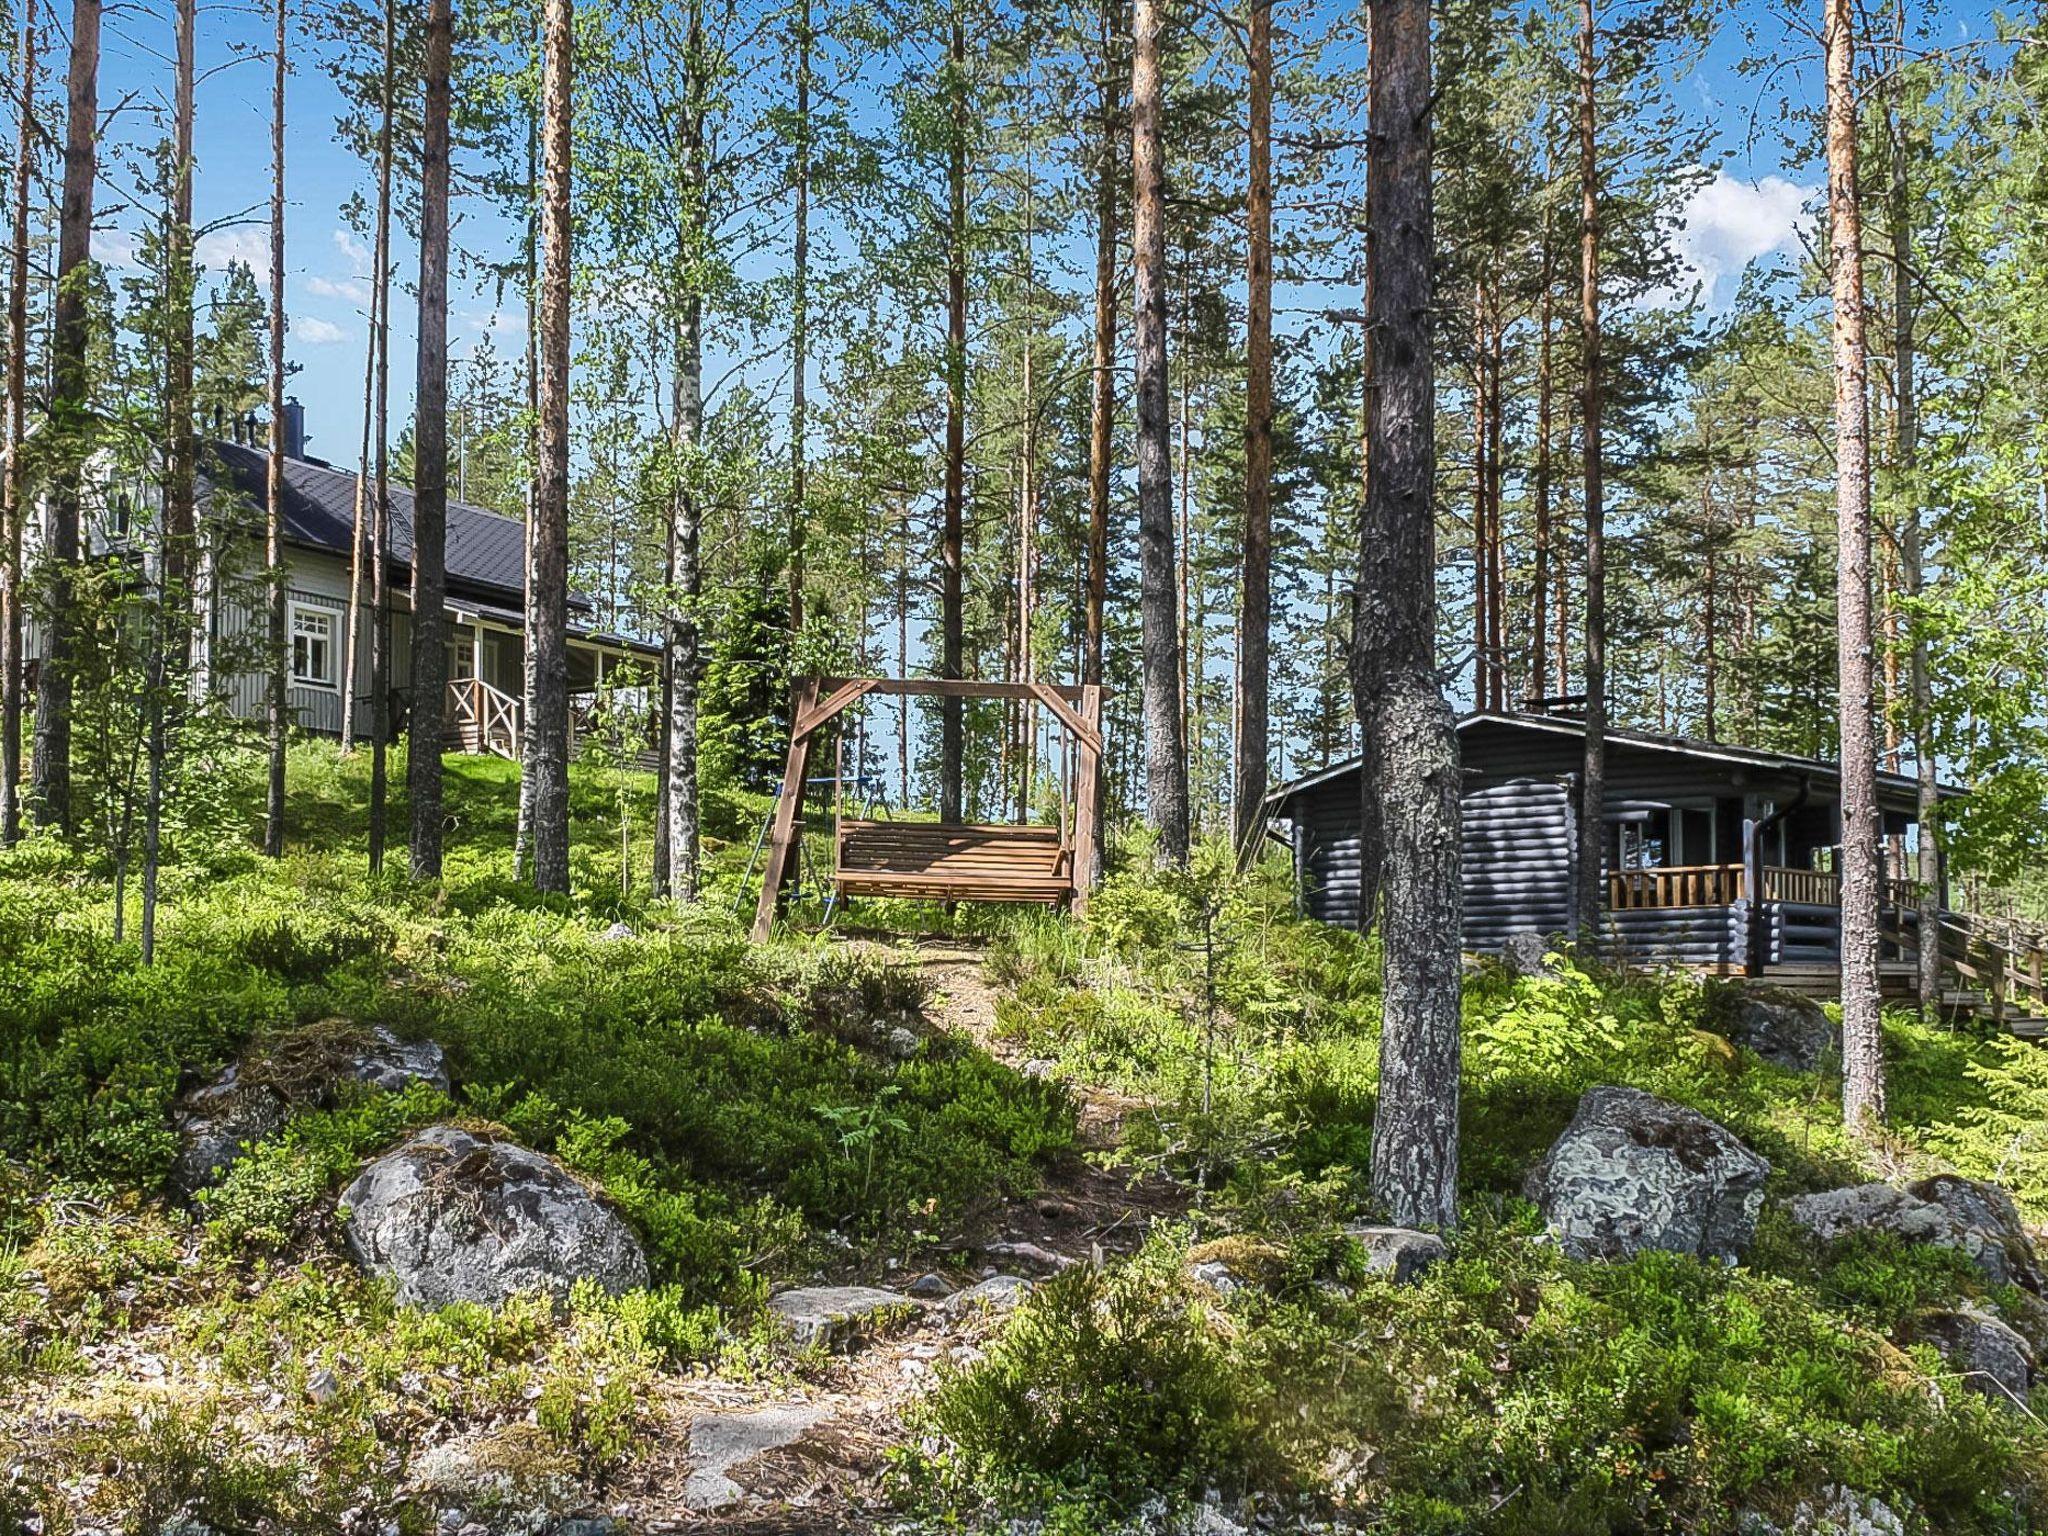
<point x="313" y="650"/>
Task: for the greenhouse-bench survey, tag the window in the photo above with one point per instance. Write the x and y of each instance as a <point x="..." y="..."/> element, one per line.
<point x="313" y="659"/>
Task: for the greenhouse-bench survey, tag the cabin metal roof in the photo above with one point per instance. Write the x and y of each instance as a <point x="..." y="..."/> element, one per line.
<point x="1676" y="746"/>
<point x="486" y="549"/>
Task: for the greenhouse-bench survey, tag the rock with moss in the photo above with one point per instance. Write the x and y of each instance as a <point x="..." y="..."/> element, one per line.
<point x="1633" y="1171"/>
<point x="451" y="1216"/>
<point x="1988" y="1354"/>
<point x="1946" y="1211"/>
<point x="1400" y="1253"/>
<point x="832" y="1315"/>
<point x="217" y="1124"/>
<point x="1782" y="1027"/>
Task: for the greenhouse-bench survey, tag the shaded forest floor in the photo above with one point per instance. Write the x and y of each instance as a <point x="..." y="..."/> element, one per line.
<point x="1159" y="1119"/>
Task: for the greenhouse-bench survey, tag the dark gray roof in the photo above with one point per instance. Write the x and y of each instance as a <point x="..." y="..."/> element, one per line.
<point x="1683" y="746"/>
<point x="486" y="550"/>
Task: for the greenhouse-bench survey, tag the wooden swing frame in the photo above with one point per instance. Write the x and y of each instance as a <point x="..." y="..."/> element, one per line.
<point x="1022" y="862"/>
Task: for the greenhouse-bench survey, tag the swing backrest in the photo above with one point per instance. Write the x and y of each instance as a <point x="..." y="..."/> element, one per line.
<point x="950" y="861"/>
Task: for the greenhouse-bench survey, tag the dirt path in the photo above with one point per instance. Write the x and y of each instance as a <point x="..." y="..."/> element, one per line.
<point x="797" y="1457"/>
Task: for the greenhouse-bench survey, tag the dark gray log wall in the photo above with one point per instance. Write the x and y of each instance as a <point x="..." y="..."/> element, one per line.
<point x="1518" y="841"/>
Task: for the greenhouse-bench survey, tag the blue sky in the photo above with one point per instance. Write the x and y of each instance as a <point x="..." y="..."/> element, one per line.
<point x="1749" y="211"/>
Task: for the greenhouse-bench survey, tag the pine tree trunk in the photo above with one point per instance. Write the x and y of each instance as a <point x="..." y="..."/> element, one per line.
<point x="430" y="463"/>
<point x="273" y="488"/>
<point x="1539" y="586"/>
<point x="1027" y="501"/>
<point x="359" y="530"/>
<point x="1166" y="775"/>
<point x="1862" y="1037"/>
<point x="522" y="830"/>
<point x="1591" y="883"/>
<point x="952" y="734"/>
<point x="1496" y="543"/>
<point x="1102" y="395"/>
<point x="800" y="324"/>
<point x="1411" y="744"/>
<point x="547" y="730"/>
<point x="1255" y="616"/>
<point x="12" y="512"/>
<point x="380" y="499"/>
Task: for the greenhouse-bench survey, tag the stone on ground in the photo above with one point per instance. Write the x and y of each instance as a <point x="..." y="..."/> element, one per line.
<point x="1633" y="1172"/>
<point x="1401" y="1252"/>
<point x="394" y="1065"/>
<point x="1991" y="1356"/>
<point x="219" y="1123"/>
<point x="1947" y="1211"/>
<point x="720" y="1443"/>
<point x="834" y="1314"/>
<point x="1020" y="1254"/>
<point x="998" y="1293"/>
<point x="450" y="1216"/>
<point x="1780" y="1026"/>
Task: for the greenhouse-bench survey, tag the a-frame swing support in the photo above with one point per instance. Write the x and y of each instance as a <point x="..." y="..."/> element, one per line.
<point x="821" y="700"/>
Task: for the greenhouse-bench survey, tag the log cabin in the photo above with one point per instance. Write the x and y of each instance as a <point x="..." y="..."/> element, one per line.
<point x="1717" y="858"/>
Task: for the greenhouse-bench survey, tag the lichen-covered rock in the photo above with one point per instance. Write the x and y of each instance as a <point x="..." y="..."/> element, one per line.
<point x="1401" y="1252"/>
<point x="513" y="1477"/>
<point x="393" y="1064"/>
<point x="996" y="1294"/>
<point x="1947" y="1211"/>
<point x="450" y="1216"/>
<point x="1632" y="1172"/>
<point x="217" y="1124"/>
<point x="1990" y="1355"/>
<point x="1782" y="1027"/>
<point x="836" y="1314"/>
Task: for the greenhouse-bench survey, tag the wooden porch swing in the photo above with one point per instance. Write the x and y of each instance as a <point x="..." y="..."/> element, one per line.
<point x="943" y="861"/>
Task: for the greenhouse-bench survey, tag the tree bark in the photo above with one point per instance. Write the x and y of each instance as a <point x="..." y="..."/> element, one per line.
<point x="1539" y="586"/>
<point x="800" y="325"/>
<point x="430" y="462"/>
<point x="359" y="528"/>
<point x="1166" y="773"/>
<point x="684" y="532"/>
<point x="11" y="510"/>
<point x="273" y="486"/>
<point x="952" y="735"/>
<point x="1410" y="740"/>
<point x="1591" y="883"/>
<point x="547" y="731"/>
<point x="1862" y="1037"/>
<point x="50" y="772"/>
<point x="380" y="504"/>
<point x="1102" y="396"/>
<point x="1255" y="617"/>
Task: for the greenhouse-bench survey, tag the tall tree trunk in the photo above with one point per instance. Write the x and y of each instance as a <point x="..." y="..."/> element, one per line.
<point x="380" y="501"/>
<point x="1913" y="557"/>
<point x="1027" y="494"/>
<point x="1482" y="594"/>
<point x="1591" y="890"/>
<point x="547" y="732"/>
<point x="1539" y="586"/>
<point x="1710" y="617"/>
<point x="1496" y="537"/>
<point x="1862" y="1037"/>
<point x="1102" y="395"/>
<point x="12" y="513"/>
<point x="1255" y="616"/>
<point x="522" y="830"/>
<point x="273" y="484"/>
<point x="1166" y="770"/>
<point x="952" y="735"/>
<point x="800" y="324"/>
<point x="430" y="462"/>
<point x="1410" y="742"/>
<point x="359" y="529"/>
<point x="684" y="510"/>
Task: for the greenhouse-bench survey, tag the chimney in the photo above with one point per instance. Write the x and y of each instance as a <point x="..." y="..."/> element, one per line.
<point x="294" y="430"/>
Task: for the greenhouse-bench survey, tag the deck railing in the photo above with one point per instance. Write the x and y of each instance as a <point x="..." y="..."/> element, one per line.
<point x="482" y="718"/>
<point x="1720" y="885"/>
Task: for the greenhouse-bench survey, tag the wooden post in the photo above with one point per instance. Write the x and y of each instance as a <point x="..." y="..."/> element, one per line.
<point x="788" y="811"/>
<point x="1089" y="763"/>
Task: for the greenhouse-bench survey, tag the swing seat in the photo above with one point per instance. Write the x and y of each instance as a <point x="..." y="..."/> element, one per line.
<point x="953" y="862"/>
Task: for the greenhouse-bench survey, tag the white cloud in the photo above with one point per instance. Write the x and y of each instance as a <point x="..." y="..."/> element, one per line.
<point x="358" y="254"/>
<point x="347" y="288"/>
<point x="246" y="243"/>
<point x="114" y="248"/>
<point x="1730" y="223"/>
<point x="315" y="332"/>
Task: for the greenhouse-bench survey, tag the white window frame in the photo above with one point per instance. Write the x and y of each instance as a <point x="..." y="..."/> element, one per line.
<point x="328" y="616"/>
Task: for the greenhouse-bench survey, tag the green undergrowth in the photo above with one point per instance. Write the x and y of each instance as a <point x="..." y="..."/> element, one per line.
<point x="1510" y="1390"/>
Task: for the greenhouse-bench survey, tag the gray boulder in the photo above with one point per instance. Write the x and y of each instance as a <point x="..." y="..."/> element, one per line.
<point x="450" y="1217"/>
<point x="393" y="1064"/>
<point x="1526" y="954"/>
<point x="996" y="1294"/>
<point x="1401" y="1252"/>
<point x="1992" y="1358"/>
<point x="836" y="1314"/>
<point x="1632" y="1172"/>
<point x="1782" y="1027"/>
<point x="1947" y="1211"/>
<point x="217" y="1124"/>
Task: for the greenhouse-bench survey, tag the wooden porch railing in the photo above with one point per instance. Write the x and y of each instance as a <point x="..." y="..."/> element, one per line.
<point x="482" y="719"/>
<point x="1719" y="885"/>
